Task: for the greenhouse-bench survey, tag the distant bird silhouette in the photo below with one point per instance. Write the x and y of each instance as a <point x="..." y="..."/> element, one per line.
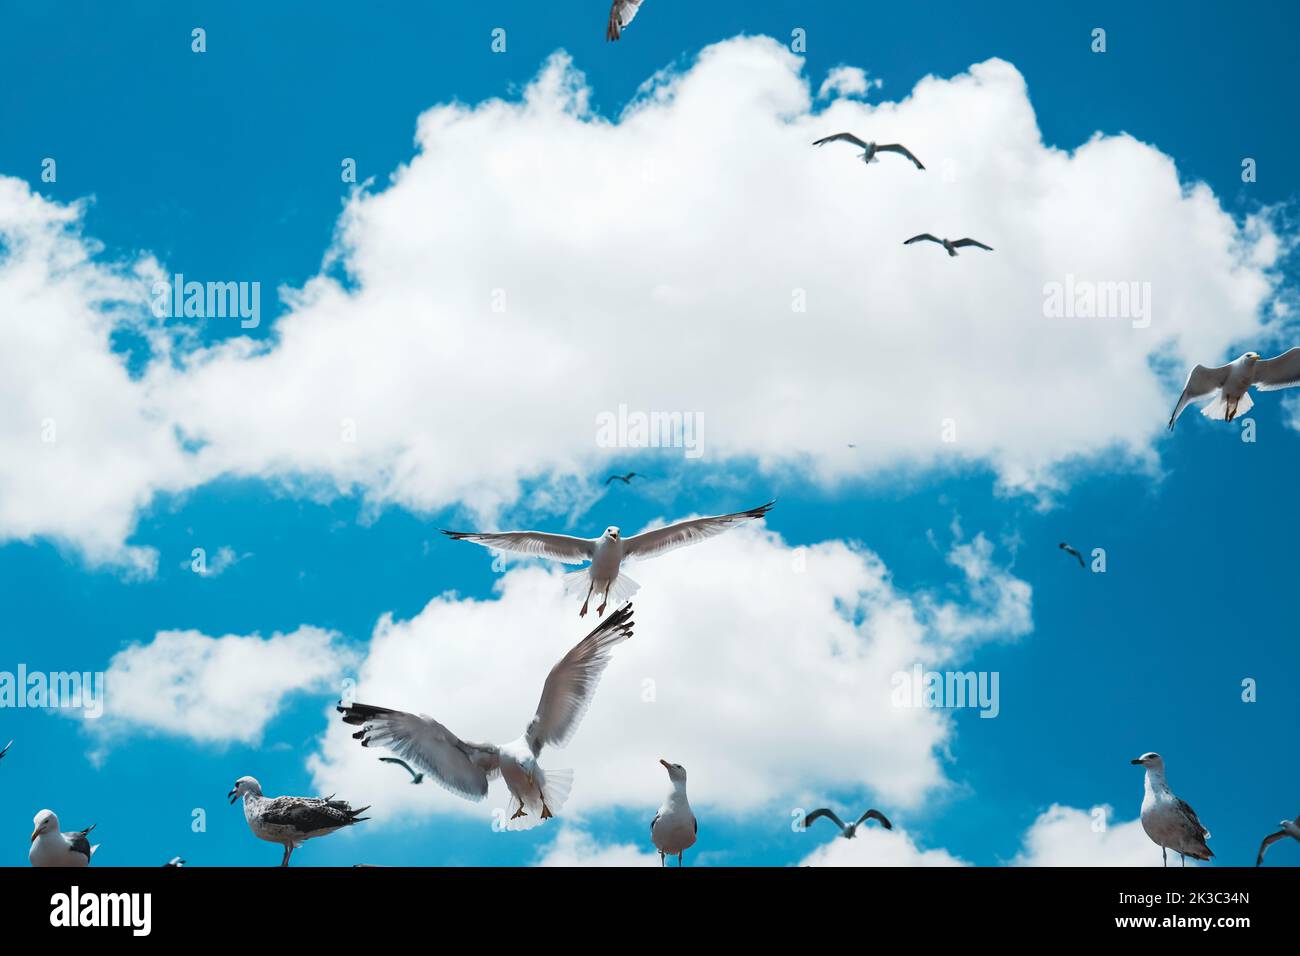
<point x="951" y="245"/>
<point x="871" y="149"/>
<point x="6" y="750"/>
<point x="1290" y="828"/>
<point x="847" y="830"/>
<point x="415" y="777"/>
<point x="626" y="479"/>
<point x="174" y="861"/>
<point x="1069" y="550"/>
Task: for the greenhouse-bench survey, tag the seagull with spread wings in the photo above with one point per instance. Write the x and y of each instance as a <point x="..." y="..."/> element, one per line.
<point x="620" y="15"/>
<point x="870" y="149"/>
<point x="1290" y="828"/>
<point x="1074" y="551"/>
<point x="1168" y="820"/>
<point x="604" y="575"/>
<point x="847" y="830"/>
<point x="626" y="479"/>
<point x="1230" y="384"/>
<point x="465" y="768"/>
<point x="952" y="245"/>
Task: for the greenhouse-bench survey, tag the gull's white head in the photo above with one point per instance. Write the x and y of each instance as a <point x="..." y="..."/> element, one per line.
<point x="1251" y="356"/>
<point x="243" y="787"/>
<point x="1152" y="761"/>
<point x="676" y="772"/>
<point x="44" y="822"/>
<point x="612" y="533"/>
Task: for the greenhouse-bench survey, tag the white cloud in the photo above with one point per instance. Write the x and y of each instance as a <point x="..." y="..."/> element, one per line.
<point x="654" y="261"/>
<point x="1067" y="836"/>
<point x="795" y="694"/>
<point x="215" y="690"/>
<point x="575" y="847"/>
<point x="847" y="81"/>
<point x="876" y="846"/>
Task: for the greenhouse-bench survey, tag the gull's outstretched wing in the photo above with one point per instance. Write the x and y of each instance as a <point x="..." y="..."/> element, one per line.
<point x="823" y="812"/>
<point x="463" y="768"/>
<point x="923" y="237"/>
<point x="970" y="242"/>
<point x="877" y="816"/>
<point x="847" y="137"/>
<point x="899" y="148"/>
<point x="621" y="13"/>
<point x="1282" y="371"/>
<point x="1268" y="842"/>
<point x="1201" y="381"/>
<point x="572" y="682"/>
<point x="537" y="544"/>
<point x="650" y="543"/>
<point x="6" y="748"/>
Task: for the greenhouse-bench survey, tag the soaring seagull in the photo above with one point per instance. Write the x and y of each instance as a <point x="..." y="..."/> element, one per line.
<point x="950" y="244"/>
<point x="1290" y="828"/>
<point x="415" y="777"/>
<point x="465" y="768"/>
<point x="847" y="830"/>
<point x="626" y="479"/>
<point x="1069" y="550"/>
<point x="606" y="553"/>
<point x="1168" y="821"/>
<point x="871" y="149"/>
<point x="292" y="821"/>
<point x="620" y="15"/>
<point x="1232" y="382"/>
<point x="52" y="848"/>
<point x="674" y="828"/>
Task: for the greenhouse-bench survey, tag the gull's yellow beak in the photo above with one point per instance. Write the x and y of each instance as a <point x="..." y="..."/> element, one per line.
<point x="35" y="834"/>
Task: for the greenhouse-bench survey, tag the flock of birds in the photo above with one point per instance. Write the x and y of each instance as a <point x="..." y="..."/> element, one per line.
<point x="466" y="768"/>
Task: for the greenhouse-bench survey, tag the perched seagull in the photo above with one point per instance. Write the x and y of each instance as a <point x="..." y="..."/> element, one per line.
<point x="1290" y="828"/>
<point x="674" y="827"/>
<point x="291" y="821"/>
<point x="606" y="553"/>
<point x="1069" y="550"/>
<point x="1232" y="382"/>
<point x="871" y="148"/>
<point x="465" y="768"/>
<point x="415" y="777"/>
<point x="52" y="848"/>
<point x="1168" y="821"/>
<point x="620" y="15"/>
<point x="950" y="244"/>
<point x="174" y="861"/>
<point x="847" y="830"/>
<point x="626" y="479"/>
<point x="6" y="750"/>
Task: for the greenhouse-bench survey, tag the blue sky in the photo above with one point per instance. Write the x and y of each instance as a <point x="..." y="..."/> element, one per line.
<point x="226" y="164"/>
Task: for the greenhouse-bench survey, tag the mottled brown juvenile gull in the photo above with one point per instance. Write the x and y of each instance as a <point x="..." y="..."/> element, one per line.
<point x="292" y="821"/>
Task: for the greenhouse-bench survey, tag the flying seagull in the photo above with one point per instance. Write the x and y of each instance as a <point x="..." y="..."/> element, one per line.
<point x="53" y="848"/>
<point x="1290" y="828"/>
<point x="847" y="830"/>
<point x="620" y="15"/>
<point x="1231" y="383"/>
<point x="674" y="827"/>
<point x="871" y="149"/>
<point x="626" y="479"/>
<point x="174" y="861"/>
<point x="292" y="821"/>
<point x="465" y="768"/>
<point x="415" y="777"/>
<point x="1168" y="821"/>
<point x="950" y="244"/>
<point x="606" y="553"/>
<point x="1069" y="550"/>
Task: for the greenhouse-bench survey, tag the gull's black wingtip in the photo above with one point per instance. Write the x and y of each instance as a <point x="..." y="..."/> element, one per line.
<point x="456" y="535"/>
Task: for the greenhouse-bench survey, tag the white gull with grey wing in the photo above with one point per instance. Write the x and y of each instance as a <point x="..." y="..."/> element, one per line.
<point x="1230" y="384"/>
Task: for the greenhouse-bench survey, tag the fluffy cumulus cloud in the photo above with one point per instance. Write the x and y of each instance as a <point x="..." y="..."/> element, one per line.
<point x="796" y="694"/>
<point x="847" y="81"/>
<point x="1069" y="836"/>
<point x="536" y="265"/>
<point x="573" y="846"/>
<point x="215" y="690"/>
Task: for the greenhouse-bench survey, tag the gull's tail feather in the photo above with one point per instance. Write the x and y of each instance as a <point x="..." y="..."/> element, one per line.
<point x="621" y="590"/>
<point x="1218" y="408"/>
<point x="556" y="785"/>
<point x="577" y="582"/>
